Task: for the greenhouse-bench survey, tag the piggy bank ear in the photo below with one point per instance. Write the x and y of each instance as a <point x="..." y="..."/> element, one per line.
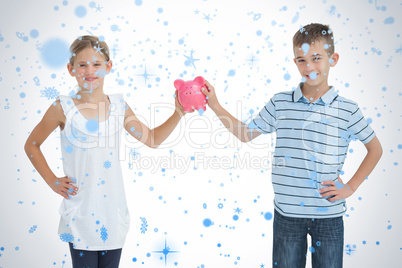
<point x="178" y="83"/>
<point x="200" y="80"/>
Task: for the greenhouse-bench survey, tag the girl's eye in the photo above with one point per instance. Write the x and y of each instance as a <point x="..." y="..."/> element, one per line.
<point x="316" y="59"/>
<point x="97" y="64"/>
<point x="81" y="65"/>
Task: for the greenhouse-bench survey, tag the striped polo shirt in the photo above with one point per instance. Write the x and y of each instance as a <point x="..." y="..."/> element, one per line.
<point x="312" y="141"/>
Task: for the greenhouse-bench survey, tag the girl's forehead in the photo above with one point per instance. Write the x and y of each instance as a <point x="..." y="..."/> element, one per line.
<point x="89" y="54"/>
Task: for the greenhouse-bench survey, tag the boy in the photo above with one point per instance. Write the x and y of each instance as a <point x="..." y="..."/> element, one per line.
<point x="314" y="126"/>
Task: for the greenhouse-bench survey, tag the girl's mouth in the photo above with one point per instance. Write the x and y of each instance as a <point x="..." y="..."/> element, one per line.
<point x="90" y="79"/>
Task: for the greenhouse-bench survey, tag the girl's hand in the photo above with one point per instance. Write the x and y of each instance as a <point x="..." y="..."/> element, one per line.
<point x="337" y="189"/>
<point x="63" y="186"/>
<point x="213" y="102"/>
<point x="179" y="107"/>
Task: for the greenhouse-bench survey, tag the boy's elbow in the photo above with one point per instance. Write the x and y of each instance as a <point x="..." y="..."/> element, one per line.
<point x="380" y="151"/>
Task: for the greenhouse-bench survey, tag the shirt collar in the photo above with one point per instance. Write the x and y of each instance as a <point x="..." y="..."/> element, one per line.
<point x="327" y="98"/>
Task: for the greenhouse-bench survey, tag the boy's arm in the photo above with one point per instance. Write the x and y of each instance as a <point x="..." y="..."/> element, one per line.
<point x="53" y="118"/>
<point x="152" y="138"/>
<point x="341" y="191"/>
<point x="235" y="126"/>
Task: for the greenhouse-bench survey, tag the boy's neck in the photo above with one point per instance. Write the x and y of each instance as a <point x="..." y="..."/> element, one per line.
<point x="313" y="93"/>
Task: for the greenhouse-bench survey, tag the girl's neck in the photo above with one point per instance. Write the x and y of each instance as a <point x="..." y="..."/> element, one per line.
<point x="92" y="96"/>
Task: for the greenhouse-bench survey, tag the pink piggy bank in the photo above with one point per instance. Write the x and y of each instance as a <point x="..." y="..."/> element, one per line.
<point x="190" y="94"/>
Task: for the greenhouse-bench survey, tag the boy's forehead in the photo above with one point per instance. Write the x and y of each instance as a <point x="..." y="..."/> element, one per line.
<point x="314" y="47"/>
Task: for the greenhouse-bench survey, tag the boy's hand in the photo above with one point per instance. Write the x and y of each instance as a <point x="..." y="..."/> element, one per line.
<point x="337" y="189"/>
<point x="63" y="187"/>
<point x="211" y="96"/>
<point x="179" y="107"/>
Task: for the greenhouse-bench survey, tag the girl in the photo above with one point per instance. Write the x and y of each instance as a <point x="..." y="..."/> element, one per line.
<point x="94" y="215"/>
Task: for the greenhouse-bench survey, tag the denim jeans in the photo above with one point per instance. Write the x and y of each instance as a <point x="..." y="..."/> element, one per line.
<point x="290" y="242"/>
<point x="95" y="259"/>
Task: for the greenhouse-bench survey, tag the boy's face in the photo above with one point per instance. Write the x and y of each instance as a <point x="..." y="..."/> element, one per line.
<point x="89" y="68"/>
<point x="313" y="63"/>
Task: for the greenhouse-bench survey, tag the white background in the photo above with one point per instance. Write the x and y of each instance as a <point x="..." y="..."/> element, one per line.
<point x="174" y="209"/>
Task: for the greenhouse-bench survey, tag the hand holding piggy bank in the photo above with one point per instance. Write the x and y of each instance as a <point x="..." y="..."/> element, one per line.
<point x="190" y="95"/>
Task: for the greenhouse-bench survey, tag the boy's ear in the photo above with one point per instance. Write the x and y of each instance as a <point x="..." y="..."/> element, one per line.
<point x="200" y="80"/>
<point x="178" y="83"/>
<point x="335" y="58"/>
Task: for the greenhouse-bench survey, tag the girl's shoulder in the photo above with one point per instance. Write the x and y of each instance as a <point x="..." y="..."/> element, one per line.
<point x="57" y="109"/>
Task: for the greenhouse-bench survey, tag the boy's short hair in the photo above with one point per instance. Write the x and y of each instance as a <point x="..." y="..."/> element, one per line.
<point x="85" y="41"/>
<point x="315" y="32"/>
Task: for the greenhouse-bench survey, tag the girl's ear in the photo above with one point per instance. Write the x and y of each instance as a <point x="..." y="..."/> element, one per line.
<point x="70" y="69"/>
<point x="178" y="83"/>
<point x="109" y="66"/>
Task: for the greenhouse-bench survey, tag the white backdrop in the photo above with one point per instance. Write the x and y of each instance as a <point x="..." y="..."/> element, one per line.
<point x="244" y="48"/>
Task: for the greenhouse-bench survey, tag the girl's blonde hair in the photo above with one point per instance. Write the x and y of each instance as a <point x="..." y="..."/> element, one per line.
<point x="88" y="41"/>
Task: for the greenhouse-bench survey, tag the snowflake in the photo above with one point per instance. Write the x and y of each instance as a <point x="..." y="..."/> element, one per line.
<point x="50" y="93"/>
<point x="220" y="205"/>
<point x="33" y="229"/>
<point x="144" y="225"/>
<point x="101" y="73"/>
<point x="67" y="237"/>
<point x="114" y="28"/>
<point x="72" y="94"/>
<point x="257" y="16"/>
<point x="92" y="4"/>
<point x="103" y="234"/>
<point x="204" y="206"/>
<point x="107" y="164"/>
<point x="36" y="80"/>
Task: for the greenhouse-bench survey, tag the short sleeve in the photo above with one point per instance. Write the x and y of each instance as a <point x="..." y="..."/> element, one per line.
<point x="359" y="128"/>
<point x="265" y="121"/>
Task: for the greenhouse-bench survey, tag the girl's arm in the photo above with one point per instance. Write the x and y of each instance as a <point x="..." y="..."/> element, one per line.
<point x="154" y="137"/>
<point x="53" y="118"/>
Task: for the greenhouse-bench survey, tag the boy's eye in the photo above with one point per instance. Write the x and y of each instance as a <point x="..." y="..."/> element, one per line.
<point x="97" y="64"/>
<point x="81" y="65"/>
<point x="316" y="58"/>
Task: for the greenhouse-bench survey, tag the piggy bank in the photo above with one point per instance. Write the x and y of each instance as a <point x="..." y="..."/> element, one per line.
<point x="190" y="94"/>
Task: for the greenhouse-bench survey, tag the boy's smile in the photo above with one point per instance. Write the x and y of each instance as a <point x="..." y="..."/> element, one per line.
<point x="313" y="63"/>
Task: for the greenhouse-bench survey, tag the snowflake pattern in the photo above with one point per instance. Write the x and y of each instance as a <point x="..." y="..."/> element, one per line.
<point x="101" y="73"/>
<point x="67" y="237"/>
<point x="144" y="225"/>
<point x="33" y="229"/>
<point x="50" y="93"/>
<point x="115" y="28"/>
<point x="107" y="164"/>
<point x="104" y="234"/>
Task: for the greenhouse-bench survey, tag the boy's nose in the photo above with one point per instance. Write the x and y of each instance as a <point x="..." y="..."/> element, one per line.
<point x="309" y="67"/>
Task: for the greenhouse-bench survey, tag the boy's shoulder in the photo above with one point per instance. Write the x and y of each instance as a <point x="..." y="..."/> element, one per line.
<point x="283" y="96"/>
<point x="346" y="103"/>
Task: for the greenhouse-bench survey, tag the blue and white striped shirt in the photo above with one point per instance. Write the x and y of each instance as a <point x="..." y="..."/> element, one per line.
<point x="311" y="146"/>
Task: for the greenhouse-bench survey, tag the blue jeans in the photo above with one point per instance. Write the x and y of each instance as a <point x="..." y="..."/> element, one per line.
<point x="95" y="259"/>
<point x="290" y="242"/>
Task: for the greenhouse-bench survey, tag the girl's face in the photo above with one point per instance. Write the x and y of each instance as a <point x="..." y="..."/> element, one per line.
<point x="89" y="69"/>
